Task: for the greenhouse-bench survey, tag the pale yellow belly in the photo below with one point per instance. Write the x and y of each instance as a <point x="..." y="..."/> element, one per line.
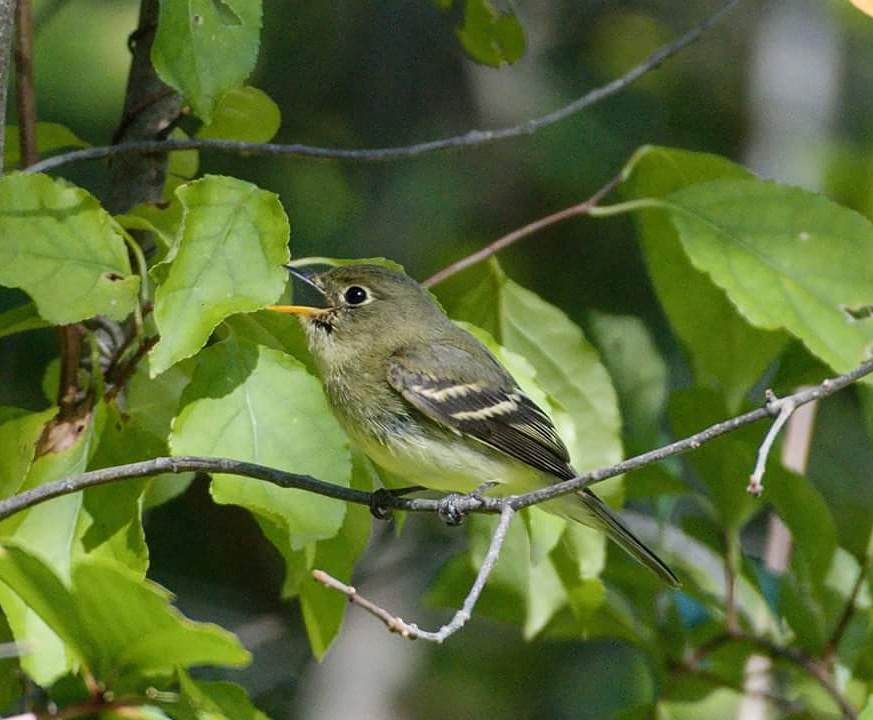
<point x="451" y="464"/>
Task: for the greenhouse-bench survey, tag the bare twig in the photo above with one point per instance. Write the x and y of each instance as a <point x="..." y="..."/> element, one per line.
<point x="7" y="24"/>
<point x="474" y="138"/>
<point x="523" y="232"/>
<point x="470" y="503"/>
<point x="785" y="410"/>
<point x="461" y="617"/>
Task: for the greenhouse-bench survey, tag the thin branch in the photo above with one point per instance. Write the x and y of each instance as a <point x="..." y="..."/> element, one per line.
<point x="469" y="503"/>
<point x="474" y="138"/>
<point x="7" y="24"/>
<point x="786" y="410"/>
<point x="513" y="237"/>
<point x="461" y="617"/>
<point x="25" y="95"/>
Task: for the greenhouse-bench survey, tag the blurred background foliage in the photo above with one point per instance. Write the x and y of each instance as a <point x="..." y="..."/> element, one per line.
<point x="781" y="86"/>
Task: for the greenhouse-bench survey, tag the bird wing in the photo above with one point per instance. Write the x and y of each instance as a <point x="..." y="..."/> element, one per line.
<point x="435" y="379"/>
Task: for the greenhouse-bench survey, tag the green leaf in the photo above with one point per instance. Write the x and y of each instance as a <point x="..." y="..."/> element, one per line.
<point x="134" y="630"/>
<point x="60" y="247"/>
<point x="202" y="700"/>
<point x="806" y="514"/>
<point x="162" y="220"/>
<point x="638" y="372"/>
<point x="735" y="357"/>
<point x="323" y="609"/>
<point x="49" y="531"/>
<point x="232" y="245"/>
<point x="18" y="438"/>
<point x="35" y="586"/>
<point x="724" y="464"/>
<point x="257" y="404"/>
<point x="787" y="258"/>
<point x="203" y="48"/>
<point x="49" y="137"/>
<point x="21" y="319"/>
<point x="489" y="36"/>
<point x="245" y="114"/>
<point x="867" y="713"/>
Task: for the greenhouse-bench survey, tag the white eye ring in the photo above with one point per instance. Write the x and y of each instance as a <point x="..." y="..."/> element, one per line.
<point x="355" y="295"/>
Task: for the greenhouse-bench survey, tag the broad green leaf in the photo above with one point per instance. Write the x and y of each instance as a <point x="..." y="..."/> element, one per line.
<point x="544" y="531"/>
<point x="735" y="356"/>
<point x="867" y="713"/>
<point x="841" y="465"/>
<point x="21" y="319"/>
<point x="489" y="36"/>
<point x="60" y="247"/>
<point x="203" y="48"/>
<point x="245" y="114"/>
<point x="49" y="137"/>
<point x="36" y="586"/>
<point x="638" y="372"/>
<point x="134" y="630"/>
<point x="806" y="514"/>
<point x="787" y="258"/>
<point x="18" y="438"/>
<point x="233" y="242"/>
<point x="257" y="404"/>
<point x="48" y="531"/>
<point x="210" y="700"/>
<point x="322" y="608"/>
<point x="546" y="597"/>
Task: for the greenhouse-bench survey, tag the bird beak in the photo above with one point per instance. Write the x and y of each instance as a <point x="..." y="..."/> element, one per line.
<point x="299" y="310"/>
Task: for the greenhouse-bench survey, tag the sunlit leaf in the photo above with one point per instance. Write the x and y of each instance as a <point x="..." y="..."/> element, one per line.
<point x="736" y="355"/>
<point x="205" y="700"/>
<point x="491" y="36"/>
<point x="232" y="245"/>
<point x="787" y="258"/>
<point x="253" y="403"/>
<point x="203" y="48"/>
<point x="18" y="437"/>
<point x="21" y="319"/>
<point x="60" y="247"/>
<point x="245" y="114"/>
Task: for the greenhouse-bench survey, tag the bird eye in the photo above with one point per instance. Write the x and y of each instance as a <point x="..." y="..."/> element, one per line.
<point x="355" y="295"/>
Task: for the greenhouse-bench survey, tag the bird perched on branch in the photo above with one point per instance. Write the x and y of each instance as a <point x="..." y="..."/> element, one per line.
<point x="426" y="400"/>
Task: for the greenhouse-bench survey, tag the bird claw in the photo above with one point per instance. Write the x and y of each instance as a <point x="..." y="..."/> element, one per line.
<point x="379" y="503"/>
<point x="451" y="511"/>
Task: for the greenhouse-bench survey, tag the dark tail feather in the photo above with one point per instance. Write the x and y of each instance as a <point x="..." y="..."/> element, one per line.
<point x="592" y="511"/>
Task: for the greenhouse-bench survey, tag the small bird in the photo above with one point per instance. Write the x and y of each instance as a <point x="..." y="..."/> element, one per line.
<point x="425" y="399"/>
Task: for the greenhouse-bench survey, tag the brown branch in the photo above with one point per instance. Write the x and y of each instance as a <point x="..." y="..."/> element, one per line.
<point x="26" y="95"/>
<point x="124" y="374"/>
<point x="472" y="139"/>
<point x="7" y="25"/>
<point x="513" y="237"/>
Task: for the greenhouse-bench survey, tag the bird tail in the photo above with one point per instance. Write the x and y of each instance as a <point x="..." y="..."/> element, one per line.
<point x="586" y="508"/>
